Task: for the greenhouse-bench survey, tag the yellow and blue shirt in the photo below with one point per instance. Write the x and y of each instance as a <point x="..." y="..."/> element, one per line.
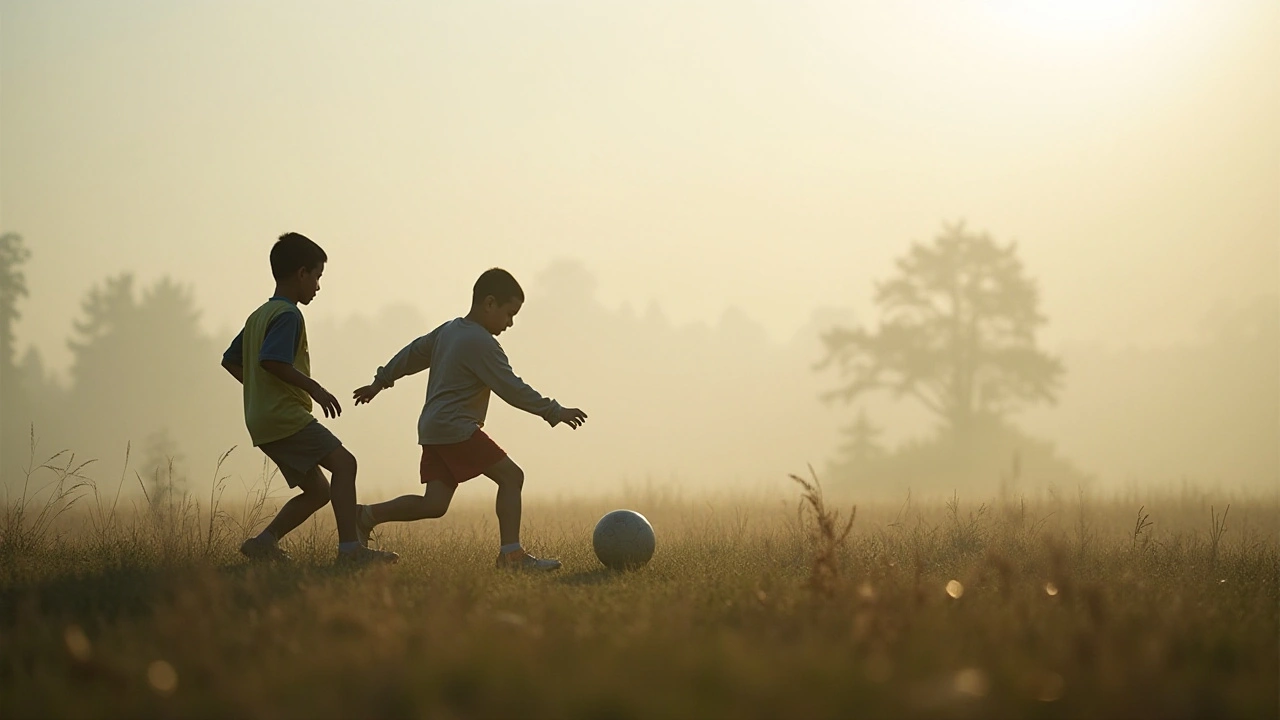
<point x="273" y="409"/>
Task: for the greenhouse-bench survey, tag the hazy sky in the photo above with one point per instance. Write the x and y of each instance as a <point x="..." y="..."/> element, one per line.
<point x="770" y="156"/>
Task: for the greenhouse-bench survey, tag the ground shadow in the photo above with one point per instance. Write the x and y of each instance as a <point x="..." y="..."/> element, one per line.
<point x="599" y="576"/>
<point x="124" y="589"/>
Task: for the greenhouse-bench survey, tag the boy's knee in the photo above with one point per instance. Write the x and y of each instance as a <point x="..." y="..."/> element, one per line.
<point x="341" y="462"/>
<point x="319" y="495"/>
<point x="315" y="488"/>
<point x="514" y="478"/>
<point x="431" y="510"/>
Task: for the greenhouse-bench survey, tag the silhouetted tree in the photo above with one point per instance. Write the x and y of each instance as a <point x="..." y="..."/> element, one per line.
<point x="161" y="469"/>
<point x="110" y="314"/>
<point x="860" y="456"/>
<point x="14" y="405"/>
<point x="141" y="364"/>
<point x="860" y="444"/>
<point x="13" y="286"/>
<point x="121" y="337"/>
<point x="957" y="334"/>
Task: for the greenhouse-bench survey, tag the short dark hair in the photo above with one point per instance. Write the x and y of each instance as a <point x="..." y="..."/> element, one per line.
<point x="500" y="284"/>
<point x="293" y="251"/>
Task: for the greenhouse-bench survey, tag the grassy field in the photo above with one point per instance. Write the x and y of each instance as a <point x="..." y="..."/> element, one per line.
<point x="1060" y="606"/>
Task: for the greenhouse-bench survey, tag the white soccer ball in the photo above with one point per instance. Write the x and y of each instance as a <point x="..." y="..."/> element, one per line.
<point x="623" y="540"/>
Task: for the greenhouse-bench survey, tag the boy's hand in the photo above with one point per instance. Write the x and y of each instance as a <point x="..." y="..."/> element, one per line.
<point x="366" y="393"/>
<point x="573" y="417"/>
<point x="326" y="400"/>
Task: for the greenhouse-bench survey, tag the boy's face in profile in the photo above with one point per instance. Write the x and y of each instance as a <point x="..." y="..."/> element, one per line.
<point x="495" y="316"/>
<point x="309" y="283"/>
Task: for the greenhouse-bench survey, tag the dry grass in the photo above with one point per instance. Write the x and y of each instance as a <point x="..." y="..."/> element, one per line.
<point x="750" y="608"/>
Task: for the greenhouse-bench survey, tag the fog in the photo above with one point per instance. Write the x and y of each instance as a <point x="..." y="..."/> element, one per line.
<point x="693" y="197"/>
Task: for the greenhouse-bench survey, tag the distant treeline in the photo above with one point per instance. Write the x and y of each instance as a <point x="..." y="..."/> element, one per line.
<point x="713" y="404"/>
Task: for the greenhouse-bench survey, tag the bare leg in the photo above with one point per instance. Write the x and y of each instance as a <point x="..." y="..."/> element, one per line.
<point x="341" y="464"/>
<point x="510" y="480"/>
<point x="433" y="503"/>
<point x="315" y="495"/>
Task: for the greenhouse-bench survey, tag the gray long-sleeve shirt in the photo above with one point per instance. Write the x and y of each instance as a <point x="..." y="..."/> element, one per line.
<point x="466" y="363"/>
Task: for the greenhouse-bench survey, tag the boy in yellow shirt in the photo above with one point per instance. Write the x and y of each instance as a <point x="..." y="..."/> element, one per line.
<point x="271" y="360"/>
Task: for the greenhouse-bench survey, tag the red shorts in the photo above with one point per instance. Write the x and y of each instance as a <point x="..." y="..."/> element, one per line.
<point x="458" y="462"/>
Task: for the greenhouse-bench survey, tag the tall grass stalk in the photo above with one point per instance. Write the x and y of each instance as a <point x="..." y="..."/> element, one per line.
<point x="29" y="520"/>
<point x="827" y="535"/>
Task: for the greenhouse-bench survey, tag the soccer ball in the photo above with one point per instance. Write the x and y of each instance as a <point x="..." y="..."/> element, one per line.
<point x="623" y="540"/>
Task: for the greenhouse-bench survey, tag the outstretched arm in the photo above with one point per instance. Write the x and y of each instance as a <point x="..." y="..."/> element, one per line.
<point x="414" y="358"/>
<point x="493" y="369"/>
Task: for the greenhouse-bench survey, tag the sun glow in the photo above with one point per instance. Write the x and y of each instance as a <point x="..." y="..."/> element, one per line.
<point x="1073" y="21"/>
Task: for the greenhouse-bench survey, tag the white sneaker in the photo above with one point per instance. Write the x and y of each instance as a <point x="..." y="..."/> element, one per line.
<point x="520" y="559"/>
<point x="258" y="548"/>
<point x="367" y="556"/>
<point x="364" y="524"/>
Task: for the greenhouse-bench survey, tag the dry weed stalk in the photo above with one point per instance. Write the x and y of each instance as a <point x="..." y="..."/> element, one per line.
<point x="1218" y="529"/>
<point x="103" y="519"/>
<point x="27" y="524"/>
<point x="216" y="535"/>
<point x="1140" y="526"/>
<point x="255" y="508"/>
<point x="827" y="537"/>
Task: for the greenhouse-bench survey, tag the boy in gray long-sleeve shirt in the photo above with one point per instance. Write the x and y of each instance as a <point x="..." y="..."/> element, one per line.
<point x="466" y="363"/>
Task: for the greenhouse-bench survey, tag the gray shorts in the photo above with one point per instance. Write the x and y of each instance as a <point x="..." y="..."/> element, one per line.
<point x="298" y="456"/>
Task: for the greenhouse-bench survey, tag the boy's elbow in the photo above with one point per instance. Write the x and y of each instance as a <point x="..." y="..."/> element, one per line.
<point x="233" y="369"/>
<point x="275" y="367"/>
